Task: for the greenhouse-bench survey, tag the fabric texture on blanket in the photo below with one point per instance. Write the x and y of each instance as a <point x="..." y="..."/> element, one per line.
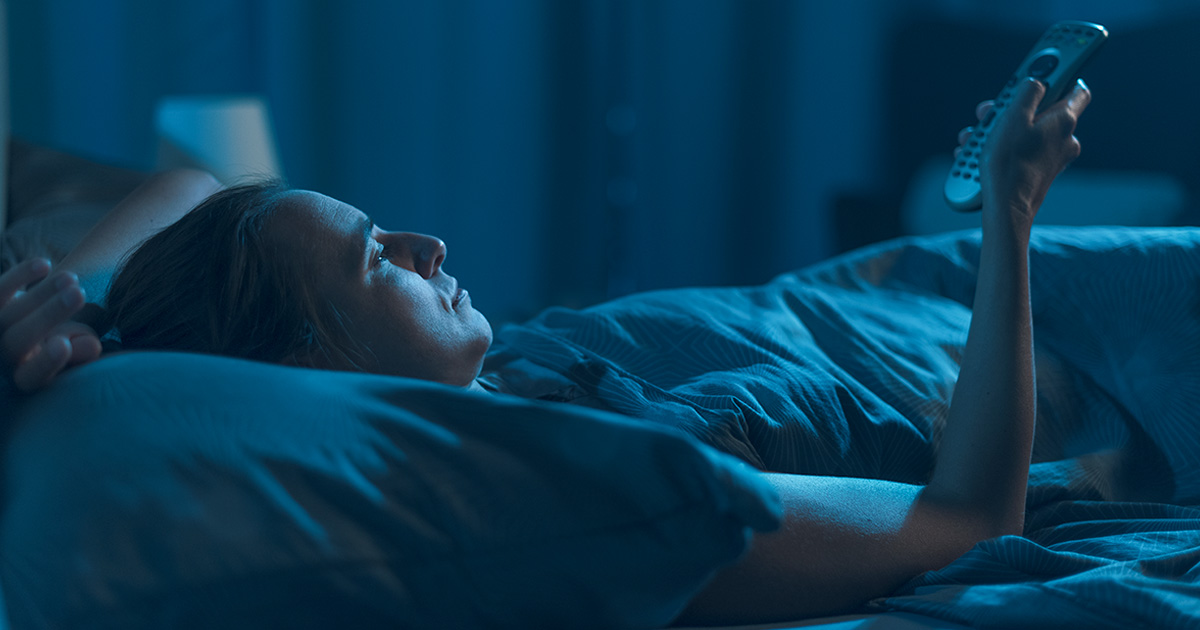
<point x="1081" y="564"/>
<point x="846" y="368"/>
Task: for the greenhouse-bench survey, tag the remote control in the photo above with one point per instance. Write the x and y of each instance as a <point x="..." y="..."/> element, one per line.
<point x="1055" y="60"/>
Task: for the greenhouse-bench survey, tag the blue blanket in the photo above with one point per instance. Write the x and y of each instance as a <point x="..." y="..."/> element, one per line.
<point x="846" y="368"/>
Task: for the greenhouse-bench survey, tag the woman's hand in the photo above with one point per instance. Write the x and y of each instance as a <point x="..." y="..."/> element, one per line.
<point x="1026" y="150"/>
<point x="38" y="340"/>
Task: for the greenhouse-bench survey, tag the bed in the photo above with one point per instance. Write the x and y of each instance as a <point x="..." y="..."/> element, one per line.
<point x="152" y="490"/>
<point x="161" y="489"/>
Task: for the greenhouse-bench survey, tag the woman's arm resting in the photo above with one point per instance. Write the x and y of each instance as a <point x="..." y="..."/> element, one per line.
<point x="38" y="340"/>
<point x="844" y="542"/>
<point x="157" y="203"/>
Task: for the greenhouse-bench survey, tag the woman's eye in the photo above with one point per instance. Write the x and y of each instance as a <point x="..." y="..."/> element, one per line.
<point x="382" y="256"/>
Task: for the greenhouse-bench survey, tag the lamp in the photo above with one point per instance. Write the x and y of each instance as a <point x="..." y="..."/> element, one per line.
<point x="228" y="136"/>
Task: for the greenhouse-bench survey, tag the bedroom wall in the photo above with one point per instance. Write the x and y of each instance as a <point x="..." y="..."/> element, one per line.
<point x="567" y="152"/>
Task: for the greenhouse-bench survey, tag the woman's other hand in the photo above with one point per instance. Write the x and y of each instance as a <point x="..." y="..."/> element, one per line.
<point x="38" y="339"/>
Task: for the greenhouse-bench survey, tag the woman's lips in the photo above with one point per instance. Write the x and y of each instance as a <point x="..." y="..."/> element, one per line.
<point x="459" y="297"/>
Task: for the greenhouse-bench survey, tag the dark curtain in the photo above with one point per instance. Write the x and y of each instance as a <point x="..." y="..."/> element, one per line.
<point x="568" y="151"/>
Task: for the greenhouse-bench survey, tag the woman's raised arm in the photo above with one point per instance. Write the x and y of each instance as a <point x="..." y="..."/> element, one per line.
<point x="846" y="541"/>
<point x="160" y="201"/>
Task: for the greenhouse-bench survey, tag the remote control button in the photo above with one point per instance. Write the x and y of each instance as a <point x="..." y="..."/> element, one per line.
<point x="956" y="173"/>
<point x="973" y="166"/>
<point x="1041" y="67"/>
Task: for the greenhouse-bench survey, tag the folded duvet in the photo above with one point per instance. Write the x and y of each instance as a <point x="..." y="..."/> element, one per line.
<point x="847" y="368"/>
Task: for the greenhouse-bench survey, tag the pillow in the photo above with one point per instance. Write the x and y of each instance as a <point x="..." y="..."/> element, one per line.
<point x="151" y="490"/>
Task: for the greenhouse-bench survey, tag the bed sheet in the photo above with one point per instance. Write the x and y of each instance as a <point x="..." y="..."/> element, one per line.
<point x="847" y="367"/>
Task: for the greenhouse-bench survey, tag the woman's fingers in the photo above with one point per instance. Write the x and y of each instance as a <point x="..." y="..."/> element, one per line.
<point x="67" y="345"/>
<point x="983" y="108"/>
<point x="37" y="337"/>
<point x="43" y="364"/>
<point x="1028" y="149"/>
<point x="21" y="276"/>
<point x="1025" y="102"/>
<point x="1057" y="124"/>
<point x="1068" y="111"/>
<point x="1079" y="99"/>
<point x="29" y="318"/>
<point x="16" y="305"/>
<point x="85" y="344"/>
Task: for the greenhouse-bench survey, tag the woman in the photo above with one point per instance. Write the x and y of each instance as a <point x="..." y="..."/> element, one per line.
<point x="326" y="288"/>
<point x="300" y="279"/>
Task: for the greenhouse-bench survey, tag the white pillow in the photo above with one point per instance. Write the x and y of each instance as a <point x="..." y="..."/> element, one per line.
<point x="152" y="490"/>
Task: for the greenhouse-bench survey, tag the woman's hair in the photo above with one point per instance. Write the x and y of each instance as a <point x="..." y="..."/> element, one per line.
<point x="214" y="282"/>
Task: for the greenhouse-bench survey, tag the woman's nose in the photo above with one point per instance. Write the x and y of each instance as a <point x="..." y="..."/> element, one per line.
<point x="425" y="253"/>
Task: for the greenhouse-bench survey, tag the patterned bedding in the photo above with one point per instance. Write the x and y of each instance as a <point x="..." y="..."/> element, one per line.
<point x="846" y="368"/>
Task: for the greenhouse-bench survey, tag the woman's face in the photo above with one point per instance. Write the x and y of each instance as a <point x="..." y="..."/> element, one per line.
<point x="390" y="288"/>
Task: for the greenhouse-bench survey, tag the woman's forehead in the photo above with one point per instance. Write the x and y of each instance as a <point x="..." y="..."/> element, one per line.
<point x="315" y="216"/>
<point x="322" y="209"/>
<point x="322" y="228"/>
